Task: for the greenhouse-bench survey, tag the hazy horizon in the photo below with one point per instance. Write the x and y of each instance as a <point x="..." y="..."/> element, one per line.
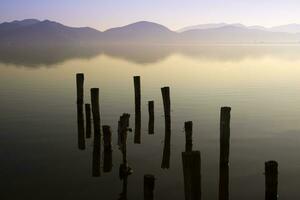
<point x="174" y="14"/>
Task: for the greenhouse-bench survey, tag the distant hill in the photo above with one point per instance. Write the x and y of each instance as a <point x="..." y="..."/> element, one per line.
<point x="32" y="32"/>
<point x="234" y="34"/>
<point x="289" y="28"/>
<point x="140" y="32"/>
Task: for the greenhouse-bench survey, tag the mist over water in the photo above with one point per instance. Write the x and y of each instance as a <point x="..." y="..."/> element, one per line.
<point x="39" y="154"/>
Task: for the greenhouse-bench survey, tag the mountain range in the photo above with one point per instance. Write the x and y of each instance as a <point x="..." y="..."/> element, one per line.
<point x="32" y="32"/>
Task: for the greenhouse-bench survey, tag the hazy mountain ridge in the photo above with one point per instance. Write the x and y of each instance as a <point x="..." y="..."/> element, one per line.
<point x="33" y="32"/>
<point x="288" y="28"/>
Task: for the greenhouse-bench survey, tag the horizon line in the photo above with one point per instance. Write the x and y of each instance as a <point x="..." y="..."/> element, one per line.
<point x="175" y="30"/>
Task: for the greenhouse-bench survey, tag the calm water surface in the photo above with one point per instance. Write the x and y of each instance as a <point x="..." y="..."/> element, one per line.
<point x="39" y="155"/>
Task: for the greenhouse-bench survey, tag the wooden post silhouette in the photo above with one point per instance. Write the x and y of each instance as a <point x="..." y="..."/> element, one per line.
<point x="97" y="132"/>
<point x="107" y="163"/>
<point x="188" y="127"/>
<point x="224" y="134"/>
<point x="80" y="90"/>
<point x="223" y="181"/>
<point x="149" y="183"/>
<point x="191" y="162"/>
<point x="137" y="94"/>
<point x="80" y="115"/>
<point x="80" y="126"/>
<point x="271" y="180"/>
<point x="124" y="170"/>
<point x="224" y="153"/>
<point x="167" y="142"/>
<point x="151" y="117"/>
<point x="88" y="120"/>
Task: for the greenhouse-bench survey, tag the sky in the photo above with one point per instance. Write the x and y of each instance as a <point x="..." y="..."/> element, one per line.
<point x="175" y="14"/>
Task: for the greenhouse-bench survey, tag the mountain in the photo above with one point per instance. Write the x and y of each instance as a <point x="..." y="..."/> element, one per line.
<point x="234" y="34"/>
<point x="31" y="32"/>
<point x="209" y="26"/>
<point x="34" y="32"/>
<point x="290" y="28"/>
<point x="140" y="32"/>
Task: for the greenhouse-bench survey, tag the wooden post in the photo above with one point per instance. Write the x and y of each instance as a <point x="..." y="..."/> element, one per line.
<point x="79" y="84"/>
<point x="188" y="127"/>
<point x="149" y="183"/>
<point x="88" y="120"/>
<point x="271" y="180"/>
<point x="97" y="132"/>
<point x="107" y="164"/>
<point x="124" y="170"/>
<point x="151" y="117"/>
<point x="80" y="126"/>
<point x="80" y="115"/>
<point x="167" y="142"/>
<point x="191" y="162"/>
<point x="137" y="94"/>
<point x="223" y="181"/>
<point x="224" y="153"/>
<point x="224" y="134"/>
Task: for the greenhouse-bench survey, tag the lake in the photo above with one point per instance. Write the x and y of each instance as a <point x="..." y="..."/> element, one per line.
<point x="39" y="154"/>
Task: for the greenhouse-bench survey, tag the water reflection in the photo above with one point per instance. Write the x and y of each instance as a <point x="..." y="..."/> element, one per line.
<point x="143" y="55"/>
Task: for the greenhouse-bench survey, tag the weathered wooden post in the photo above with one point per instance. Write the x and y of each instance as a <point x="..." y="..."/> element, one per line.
<point x="137" y="94"/>
<point x="97" y="132"/>
<point x="80" y="116"/>
<point x="80" y="90"/>
<point x="151" y="117"/>
<point x="224" y="153"/>
<point x="271" y="180"/>
<point x="80" y="126"/>
<point x="88" y="120"/>
<point x="149" y="183"/>
<point x="107" y="163"/>
<point x="167" y="111"/>
<point x="188" y="127"/>
<point x="224" y="134"/>
<point x="191" y="162"/>
<point x="223" y="181"/>
<point x="124" y="170"/>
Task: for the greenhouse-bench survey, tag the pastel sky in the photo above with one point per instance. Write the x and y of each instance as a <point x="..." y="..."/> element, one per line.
<point x="175" y="14"/>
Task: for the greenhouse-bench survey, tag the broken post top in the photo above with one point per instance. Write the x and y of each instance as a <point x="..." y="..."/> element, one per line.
<point x="79" y="85"/>
<point x="271" y="167"/>
<point x="80" y="75"/>
<point x="225" y="114"/>
<point x="165" y="89"/>
<point x="136" y="77"/>
<point x="95" y="90"/>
